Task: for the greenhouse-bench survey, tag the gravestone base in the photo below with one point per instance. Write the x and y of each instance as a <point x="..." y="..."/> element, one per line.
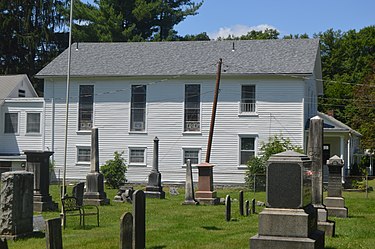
<point x="336" y="207"/>
<point x="288" y="228"/>
<point x="95" y="194"/>
<point x="155" y="192"/>
<point x="328" y="227"/>
<point x="190" y="202"/>
<point x="323" y="223"/>
<point x="44" y="203"/>
<point x="207" y="197"/>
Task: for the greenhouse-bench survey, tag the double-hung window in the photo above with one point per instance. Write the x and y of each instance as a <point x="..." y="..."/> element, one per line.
<point x="86" y="103"/>
<point x="83" y="154"/>
<point x="138" y="108"/>
<point x="247" y="149"/>
<point x="247" y="98"/>
<point x="192" y="154"/>
<point x="11" y="123"/>
<point x="192" y="107"/>
<point x="33" y="123"/>
<point x="137" y="156"/>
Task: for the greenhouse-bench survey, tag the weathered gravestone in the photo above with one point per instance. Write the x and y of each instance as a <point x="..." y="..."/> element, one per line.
<point x="78" y="191"/>
<point x="37" y="162"/>
<point x="95" y="194"/>
<point x="16" y="204"/>
<point x="189" y="186"/>
<point x="126" y="231"/>
<point x="139" y="220"/>
<point x="289" y="220"/>
<point x="253" y="210"/>
<point x="53" y="234"/>
<point x="154" y="188"/>
<point x="240" y="203"/>
<point x="228" y="204"/>
<point x="315" y="152"/>
<point x="247" y="208"/>
<point x="334" y="201"/>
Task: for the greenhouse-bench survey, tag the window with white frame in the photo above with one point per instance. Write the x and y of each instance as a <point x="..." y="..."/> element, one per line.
<point x="247" y="149"/>
<point x="33" y="123"/>
<point x="11" y="123"/>
<point x="138" y="108"/>
<point x="193" y="154"/>
<point x="192" y="107"/>
<point x="247" y="98"/>
<point x="137" y="156"/>
<point x="86" y="104"/>
<point x="83" y="154"/>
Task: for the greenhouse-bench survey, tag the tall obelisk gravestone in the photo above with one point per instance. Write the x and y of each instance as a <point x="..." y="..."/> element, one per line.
<point x="189" y="186"/>
<point x="154" y="188"/>
<point x="315" y="152"/>
<point x="94" y="180"/>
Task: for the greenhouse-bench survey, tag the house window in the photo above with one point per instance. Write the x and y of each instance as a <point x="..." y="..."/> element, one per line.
<point x="192" y="107"/>
<point x="83" y="154"/>
<point x="247" y="147"/>
<point x="86" y="103"/>
<point x="247" y="98"/>
<point x="11" y="123"/>
<point x="33" y="123"/>
<point x="138" y="108"/>
<point x="137" y="156"/>
<point x="193" y="155"/>
<point x="21" y="93"/>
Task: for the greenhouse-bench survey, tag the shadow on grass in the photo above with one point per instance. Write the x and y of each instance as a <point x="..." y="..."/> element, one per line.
<point x="212" y="228"/>
<point x="158" y="247"/>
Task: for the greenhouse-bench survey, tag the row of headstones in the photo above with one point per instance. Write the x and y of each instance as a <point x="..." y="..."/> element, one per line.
<point x="242" y="205"/>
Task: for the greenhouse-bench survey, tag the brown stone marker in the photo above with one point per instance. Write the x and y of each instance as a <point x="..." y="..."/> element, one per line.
<point x="206" y="193"/>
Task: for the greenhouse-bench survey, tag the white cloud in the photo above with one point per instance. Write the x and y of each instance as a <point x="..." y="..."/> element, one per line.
<point x="238" y="30"/>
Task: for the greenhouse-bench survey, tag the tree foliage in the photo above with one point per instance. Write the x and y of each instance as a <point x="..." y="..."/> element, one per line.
<point x="114" y="170"/>
<point x="28" y="37"/>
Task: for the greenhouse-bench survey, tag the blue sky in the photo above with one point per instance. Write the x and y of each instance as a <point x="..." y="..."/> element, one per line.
<point x="224" y="17"/>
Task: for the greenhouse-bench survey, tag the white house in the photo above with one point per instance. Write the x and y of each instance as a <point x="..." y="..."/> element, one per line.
<point x="21" y="120"/>
<point x="135" y="91"/>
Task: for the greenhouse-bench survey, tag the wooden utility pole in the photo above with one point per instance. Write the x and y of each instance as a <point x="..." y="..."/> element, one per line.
<point x="213" y="115"/>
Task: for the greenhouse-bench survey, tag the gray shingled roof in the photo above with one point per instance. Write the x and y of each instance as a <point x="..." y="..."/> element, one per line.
<point x="8" y="83"/>
<point x="191" y="58"/>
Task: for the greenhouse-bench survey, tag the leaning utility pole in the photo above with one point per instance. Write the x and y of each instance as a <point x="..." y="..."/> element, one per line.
<point x="213" y="115"/>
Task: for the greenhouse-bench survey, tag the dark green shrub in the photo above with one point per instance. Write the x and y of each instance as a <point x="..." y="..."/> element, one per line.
<point x="114" y="170"/>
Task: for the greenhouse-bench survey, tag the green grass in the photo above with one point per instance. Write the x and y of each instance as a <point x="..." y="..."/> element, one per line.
<point x="172" y="225"/>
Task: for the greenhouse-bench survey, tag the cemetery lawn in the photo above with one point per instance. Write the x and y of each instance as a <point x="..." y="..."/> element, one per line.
<point x="172" y="225"/>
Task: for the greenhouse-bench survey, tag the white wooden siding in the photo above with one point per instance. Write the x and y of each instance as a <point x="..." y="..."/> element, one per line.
<point x="280" y="111"/>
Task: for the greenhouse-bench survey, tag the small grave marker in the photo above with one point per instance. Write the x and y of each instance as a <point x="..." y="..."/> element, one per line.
<point x="227" y="208"/>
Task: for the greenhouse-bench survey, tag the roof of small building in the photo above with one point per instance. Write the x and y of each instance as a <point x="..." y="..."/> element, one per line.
<point x="284" y="56"/>
<point x="8" y="83"/>
<point x="333" y="125"/>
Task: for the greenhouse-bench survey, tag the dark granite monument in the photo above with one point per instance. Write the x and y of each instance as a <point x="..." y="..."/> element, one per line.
<point x="154" y="188"/>
<point x="16" y="204"/>
<point x="139" y="220"/>
<point x="334" y="201"/>
<point x="241" y="203"/>
<point x="228" y="204"/>
<point x="289" y="220"/>
<point x="53" y="234"/>
<point x="315" y="152"/>
<point x="95" y="194"/>
<point x="37" y="162"/>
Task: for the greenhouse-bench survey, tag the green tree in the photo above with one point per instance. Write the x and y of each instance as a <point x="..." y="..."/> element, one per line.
<point x="266" y="34"/>
<point x="114" y="170"/>
<point x="256" y="166"/>
<point x="28" y="37"/>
